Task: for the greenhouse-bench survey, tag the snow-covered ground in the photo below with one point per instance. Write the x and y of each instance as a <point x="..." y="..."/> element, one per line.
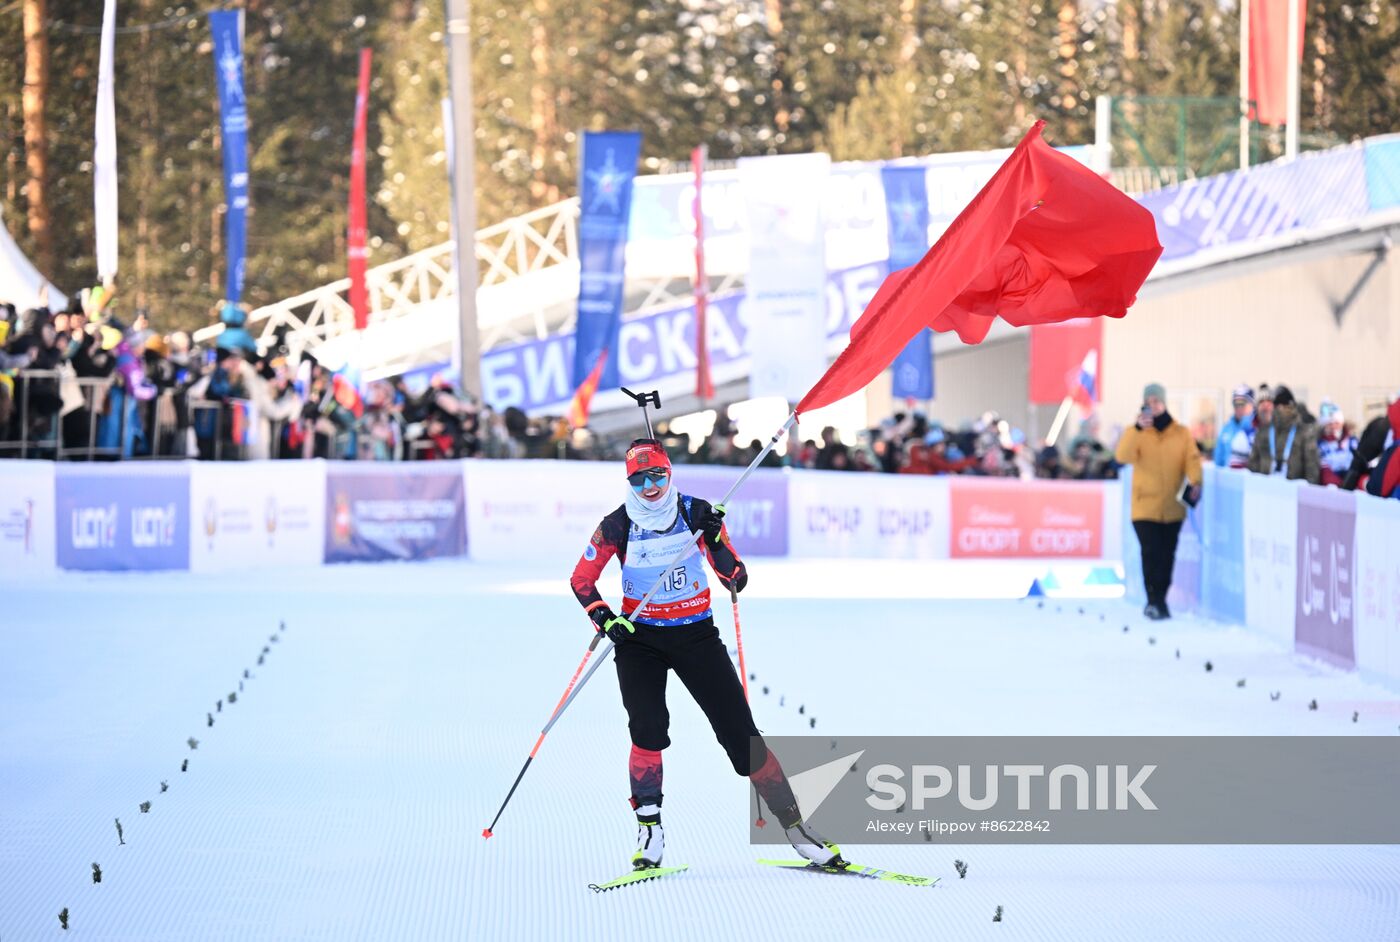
<point x="343" y="795"/>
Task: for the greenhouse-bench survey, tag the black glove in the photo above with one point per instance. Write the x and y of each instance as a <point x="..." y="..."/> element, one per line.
<point x="736" y="580"/>
<point x="616" y="627"/>
<point x="711" y="523"/>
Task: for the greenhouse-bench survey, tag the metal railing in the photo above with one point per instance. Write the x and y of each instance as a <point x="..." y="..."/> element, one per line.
<point x="542" y="244"/>
<point x="58" y="415"/>
<point x="41" y="426"/>
<point x="1138" y="180"/>
<point x="533" y="242"/>
<point x="213" y="430"/>
<point x="220" y="437"/>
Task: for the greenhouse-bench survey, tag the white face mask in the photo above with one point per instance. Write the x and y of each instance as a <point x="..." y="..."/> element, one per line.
<point x="659" y="514"/>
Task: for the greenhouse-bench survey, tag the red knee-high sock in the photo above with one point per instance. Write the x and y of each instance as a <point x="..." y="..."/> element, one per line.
<point x="644" y="771"/>
<point x="772" y="784"/>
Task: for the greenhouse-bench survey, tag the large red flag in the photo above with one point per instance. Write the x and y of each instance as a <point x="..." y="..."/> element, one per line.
<point x="1045" y="240"/>
<point x="1269" y="57"/>
<point x="357" y="248"/>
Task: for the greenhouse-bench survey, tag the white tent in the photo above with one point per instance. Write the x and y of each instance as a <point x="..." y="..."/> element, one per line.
<point x="20" y="282"/>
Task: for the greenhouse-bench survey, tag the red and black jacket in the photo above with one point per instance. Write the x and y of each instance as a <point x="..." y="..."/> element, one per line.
<point x="610" y="539"/>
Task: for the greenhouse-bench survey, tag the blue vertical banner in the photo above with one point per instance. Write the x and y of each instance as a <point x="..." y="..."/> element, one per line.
<point x="227" y="29"/>
<point x="1224" y="544"/>
<point x="607" y="165"/>
<point x="906" y="206"/>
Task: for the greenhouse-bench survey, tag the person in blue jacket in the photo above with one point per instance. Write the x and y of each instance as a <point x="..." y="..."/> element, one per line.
<point x="1236" y="438"/>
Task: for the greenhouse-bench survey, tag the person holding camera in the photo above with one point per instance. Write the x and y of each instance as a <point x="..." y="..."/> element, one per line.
<point x="1164" y="456"/>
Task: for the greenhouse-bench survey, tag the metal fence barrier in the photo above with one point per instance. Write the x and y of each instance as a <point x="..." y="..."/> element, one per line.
<point x="55" y="414"/>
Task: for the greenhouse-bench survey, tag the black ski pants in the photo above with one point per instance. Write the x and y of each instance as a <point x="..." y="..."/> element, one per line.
<point x="701" y="661"/>
<point x="1158" y="542"/>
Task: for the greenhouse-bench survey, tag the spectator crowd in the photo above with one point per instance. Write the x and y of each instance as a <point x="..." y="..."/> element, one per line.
<point x="84" y="383"/>
<point x="81" y="382"/>
<point x="1271" y="432"/>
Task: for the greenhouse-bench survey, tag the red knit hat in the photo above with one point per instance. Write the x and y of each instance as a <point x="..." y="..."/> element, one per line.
<point x="646" y="453"/>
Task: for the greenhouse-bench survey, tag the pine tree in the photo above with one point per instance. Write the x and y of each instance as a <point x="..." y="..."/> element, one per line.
<point x="413" y="147"/>
<point x="36" y="147"/>
<point x="868" y="80"/>
<point x="1351" y="69"/>
<point x="1185" y="49"/>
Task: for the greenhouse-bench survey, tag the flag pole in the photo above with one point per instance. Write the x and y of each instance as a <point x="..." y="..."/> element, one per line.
<point x="1060" y="418"/>
<point x="1244" y="84"/>
<point x="1290" y="134"/>
<point x="704" y="387"/>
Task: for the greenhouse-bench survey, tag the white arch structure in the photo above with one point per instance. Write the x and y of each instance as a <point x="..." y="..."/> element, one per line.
<point x="529" y="284"/>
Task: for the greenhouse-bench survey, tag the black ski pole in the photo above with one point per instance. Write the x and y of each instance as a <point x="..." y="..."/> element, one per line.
<point x="744" y="676"/>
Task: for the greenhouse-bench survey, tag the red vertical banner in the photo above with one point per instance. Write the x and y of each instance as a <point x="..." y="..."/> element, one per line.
<point x="357" y="241"/>
<point x="1268" y="57"/>
<point x="704" y="386"/>
<point x="1058" y="353"/>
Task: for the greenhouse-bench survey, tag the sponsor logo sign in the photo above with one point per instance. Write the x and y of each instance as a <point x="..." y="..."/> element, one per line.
<point x="394" y="512"/>
<point x="539" y="510"/>
<point x="132" y="517"/>
<point x="757" y="517"/>
<point x="252" y="514"/>
<point x="1326" y="616"/>
<point x="872" y="516"/>
<point x="1019" y="519"/>
<point x="1377" y="594"/>
<point x="1271" y="559"/>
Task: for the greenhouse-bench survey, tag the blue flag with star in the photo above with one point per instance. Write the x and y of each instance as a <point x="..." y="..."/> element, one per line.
<point x="226" y="28"/>
<point x="906" y="206"/>
<point x="607" y="164"/>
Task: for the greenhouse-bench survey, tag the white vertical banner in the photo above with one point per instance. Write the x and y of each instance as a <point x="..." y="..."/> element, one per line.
<point x="1271" y="557"/>
<point x="26" y="520"/>
<point x="785" y="290"/>
<point x="104" y="154"/>
<point x="1376" y="589"/>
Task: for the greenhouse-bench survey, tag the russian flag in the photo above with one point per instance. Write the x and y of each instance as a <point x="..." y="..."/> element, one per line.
<point x="242" y="422"/>
<point x="344" y="389"/>
<point x="1084" y="384"/>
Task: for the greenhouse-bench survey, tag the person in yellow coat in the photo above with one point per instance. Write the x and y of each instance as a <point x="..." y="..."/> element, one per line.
<point x="1164" y="456"/>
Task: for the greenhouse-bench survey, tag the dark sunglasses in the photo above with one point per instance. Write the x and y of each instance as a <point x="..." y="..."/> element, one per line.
<point x="645" y="479"/>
